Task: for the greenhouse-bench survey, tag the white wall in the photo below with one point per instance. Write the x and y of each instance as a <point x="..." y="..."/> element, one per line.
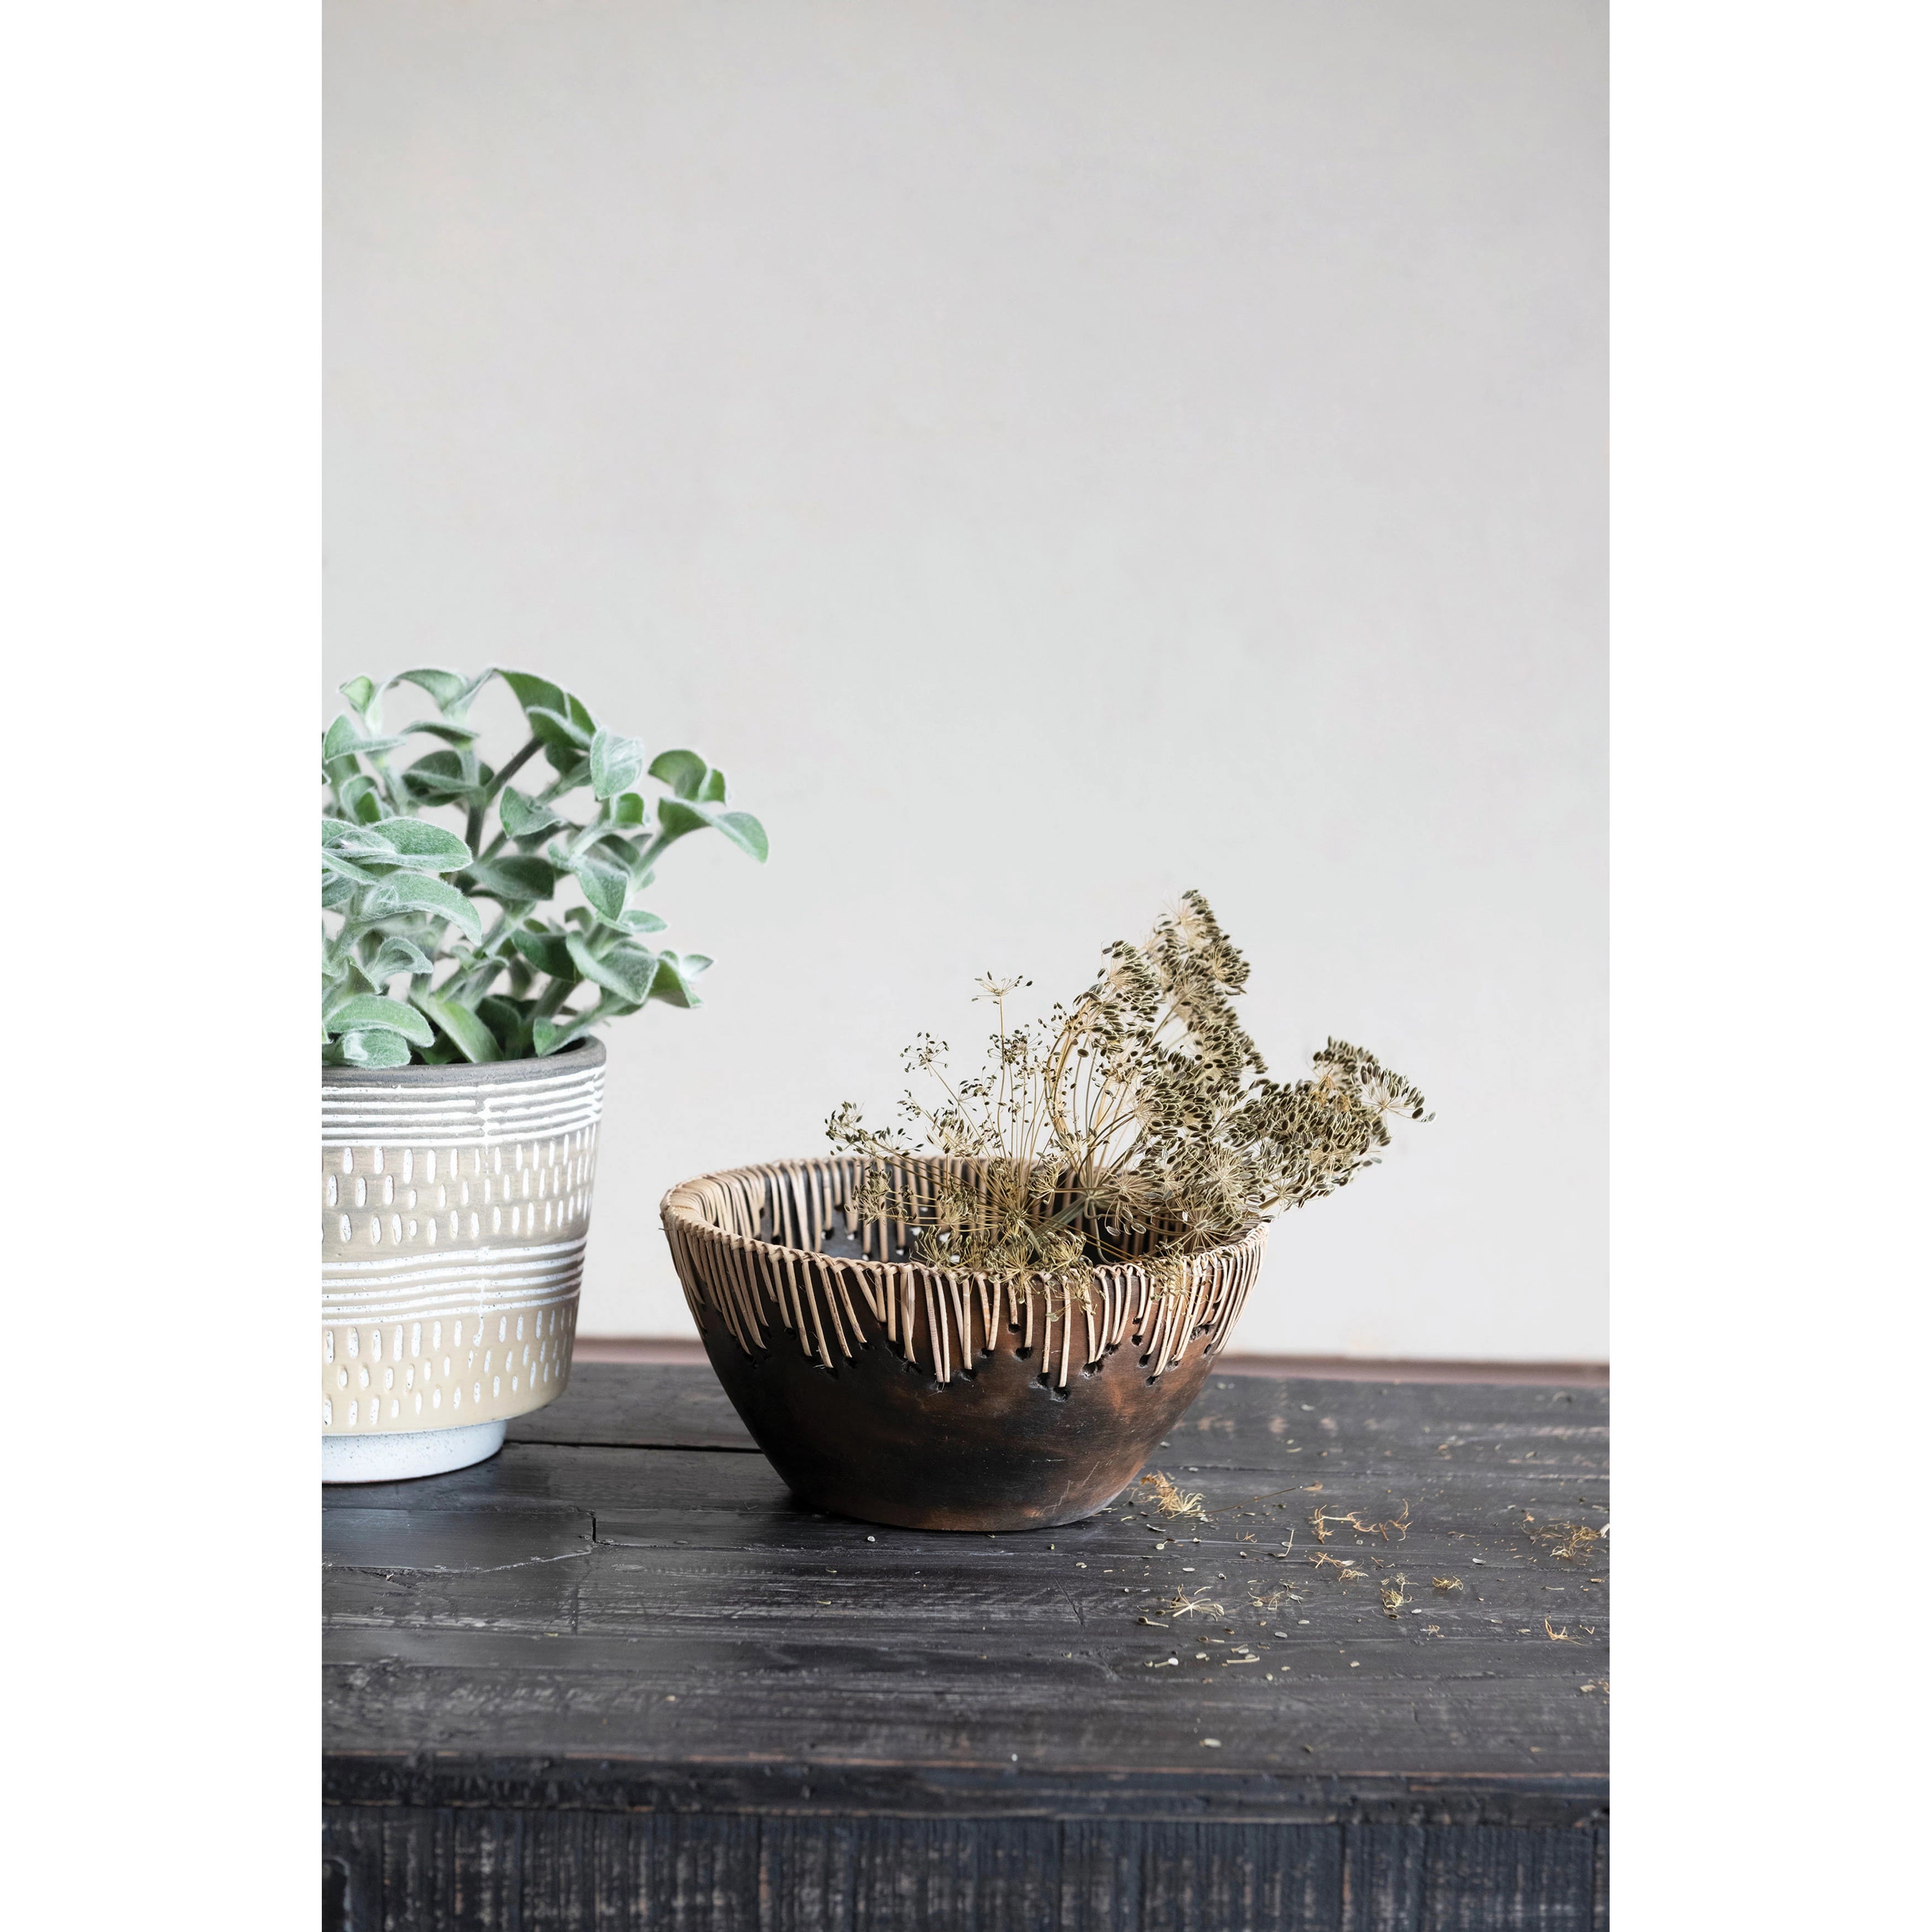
<point x="1050" y="453"/>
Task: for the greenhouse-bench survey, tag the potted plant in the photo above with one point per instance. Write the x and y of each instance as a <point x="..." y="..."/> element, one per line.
<point x="460" y="1086"/>
<point x="987" y="1323"/>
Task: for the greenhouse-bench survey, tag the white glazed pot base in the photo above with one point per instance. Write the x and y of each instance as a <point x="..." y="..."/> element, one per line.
<point x="423" y="1452"/>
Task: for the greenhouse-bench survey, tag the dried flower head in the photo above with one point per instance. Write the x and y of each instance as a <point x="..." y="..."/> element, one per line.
<point x="1138" y="1123"/>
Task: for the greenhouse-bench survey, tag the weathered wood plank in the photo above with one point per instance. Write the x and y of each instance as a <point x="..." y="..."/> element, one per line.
<point x="617" y="1405"/>
<point x="595" y="1681"/>
<point x="558" y="1871"/>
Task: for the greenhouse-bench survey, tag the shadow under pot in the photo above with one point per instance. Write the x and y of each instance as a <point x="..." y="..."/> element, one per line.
<point x="886" y="1390"/>
<point x="455" y="1206"/>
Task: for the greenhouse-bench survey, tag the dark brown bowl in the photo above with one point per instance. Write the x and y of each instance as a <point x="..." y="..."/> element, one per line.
<point x="903" y="1394"/>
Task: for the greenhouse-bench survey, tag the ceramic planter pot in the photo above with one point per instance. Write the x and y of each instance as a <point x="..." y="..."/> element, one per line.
<point x="898" y="1393"/>
<point x="455" y="1204"/>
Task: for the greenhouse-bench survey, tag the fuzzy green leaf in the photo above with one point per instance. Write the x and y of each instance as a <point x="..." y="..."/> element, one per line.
<point x="381" y="1047"/>
<point x="361" y="799"/>
<point x="361" y="1012"/>
<point x="558" y="732"/>
<point x="628" y="809"/>
<point x="530" y="690"/>
<point x="398" y="955"/>
<point x="605" y="887"/>
<point x="422" y="847"/>
<point x="514" y="878"/>
<point x="548" y="1036"/>
<point x="337" y="866"/>
<point x="677" y="817"/>
<point x="472" y="1038"/>
<point x="744" y="831"/>
<point x="447" y="688"/>
<point x="684" y="772"/>
<point x="522" y="818"/>
<point x="505" y="1018"/>
<point x="403" y="892"/>
<point x="674" y="975"/>
<point x="616" y="763"/>
<point x="450" y="734"/>
<point x="447" y="777"/>
<point x="547" y="952"/>
<point x="639" y="920"/>
<point x="361" y="692"/>
<point x="626" y="970"/>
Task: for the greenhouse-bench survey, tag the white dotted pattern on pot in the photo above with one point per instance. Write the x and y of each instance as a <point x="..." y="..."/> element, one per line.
<point x="454" y="1220"/>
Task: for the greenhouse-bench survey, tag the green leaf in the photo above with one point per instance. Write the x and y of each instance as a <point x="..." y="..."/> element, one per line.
<point x="379" y="1049"/>
<point x="548" y="1036"/>
<point x="450" y="734"/>
<point x="336" y="866"/>
<point x="712" y="789"/>
<point x="403" y="892"/>
<point x="398" y="955"/>
<point x="514" y="878"/>
<point x="604" y="885"/>
<point x="422" y="846"/>
<point x="341" y="738"/>
<point x="447" y="688"/>
<point x="361" y="693"/>
<point x="530" y="690"/>
<point x="641" y="921"/>
<point x="683" y="771"/>
<point x="557" y="732"/>
<point x="677" y="816"/>
<point x="360" y="1012"/>
<point x="522" y="818"/>
<point x="626" y="970"/>
<point x="547" y="952"/>
<point x="744" y="831"/>
<point x="472" y="1038"/>
<point x="614" y="850"/>
<point x="616" y="763"/>
<point x="506" y="1019"/>
<point x="360" y="798"/>
<point x="674" y="976"/>
<point x="628" y="809"/>
<point x="337" y="891"/>
<point x="445" y="778"/>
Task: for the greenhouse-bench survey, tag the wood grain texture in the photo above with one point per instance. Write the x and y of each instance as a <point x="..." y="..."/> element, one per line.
<point x="618" y="1676"/>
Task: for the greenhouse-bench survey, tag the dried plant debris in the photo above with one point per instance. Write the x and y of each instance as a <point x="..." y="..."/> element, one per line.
<point x="1557" y="1636"/>
<point x="1273" y="1600"/>
<point x="1394" y="1595"/>
<point x="1345" y="1572"/>
<point x="1199" y="1605"/>
<point x="1599" y="1686"/>
<point x="1566" y="1541"/>
<point x="1446" y="1584"/>
<point x="1326" y="1519"/>
<point x="1172" y="1501"/>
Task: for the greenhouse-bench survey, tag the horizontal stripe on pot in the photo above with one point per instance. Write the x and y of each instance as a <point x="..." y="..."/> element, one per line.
<point x="444" y="1120"/>
<point x="484" y="1276"/>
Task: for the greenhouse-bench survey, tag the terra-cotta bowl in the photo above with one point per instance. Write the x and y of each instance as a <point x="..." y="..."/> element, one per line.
<point x="900" y="1394"/>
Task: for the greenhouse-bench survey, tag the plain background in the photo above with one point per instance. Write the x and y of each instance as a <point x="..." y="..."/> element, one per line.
<point x="1049" y="456"/>
<point x="158" y="508"/>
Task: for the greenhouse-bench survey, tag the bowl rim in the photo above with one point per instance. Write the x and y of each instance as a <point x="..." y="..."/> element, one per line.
<point x="911" y="1301"/>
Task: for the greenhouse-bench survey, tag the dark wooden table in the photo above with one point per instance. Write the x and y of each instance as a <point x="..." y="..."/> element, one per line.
<point x="616" y="1678"/>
